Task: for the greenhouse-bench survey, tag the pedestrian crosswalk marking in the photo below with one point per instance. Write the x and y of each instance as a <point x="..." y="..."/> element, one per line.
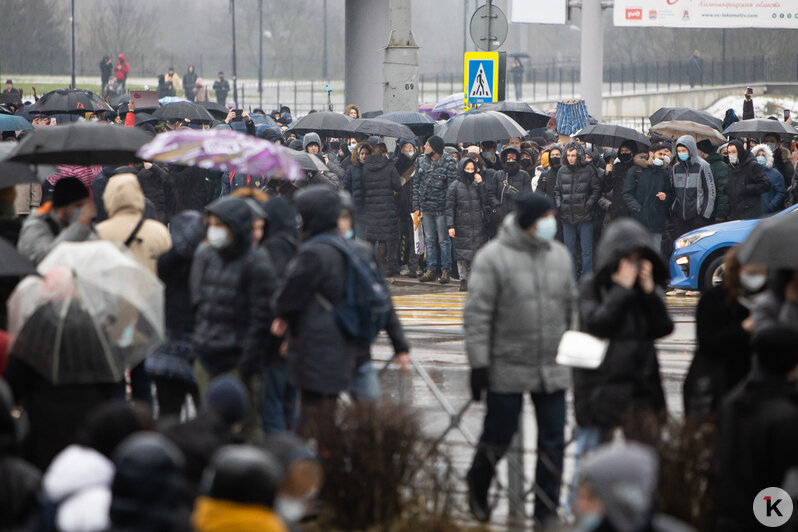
<point x="480" y="88"/>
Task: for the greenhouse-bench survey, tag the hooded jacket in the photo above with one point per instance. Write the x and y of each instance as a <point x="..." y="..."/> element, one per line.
<point x="693" y="184"/>
<point x="281" y="232"/>
<point x="577" y="189"/>
<point x="124" y="202"/>
<point x="628" y="381"/>
<point x="720" y="176"/>
<point x="615" y="180"/>
<point x="431" y="183"/>
<point x="231" y="291"/>
<point x="747" y="183"/>
<point x="353" y="178"/>
<point x="643" y="182"/>
<point x="156" y="187"/>
<point x="381" y="185"/>
<point x="321" y="358"/>
<point x="512" y="276"/>
<point x="218" y="515"/>
<point x="502" y="188"/>
<point x="465" y="200"/>
<point x="36" y="238"/>
<point x="773" y="199"/>
<point x="548" y="179"/>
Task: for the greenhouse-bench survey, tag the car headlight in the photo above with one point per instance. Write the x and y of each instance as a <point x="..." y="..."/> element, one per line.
<point x="692" y="239"/>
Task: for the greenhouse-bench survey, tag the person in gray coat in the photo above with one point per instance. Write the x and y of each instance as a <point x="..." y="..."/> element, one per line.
<point x="69" y="219"/>
<point x="522" y="297"/>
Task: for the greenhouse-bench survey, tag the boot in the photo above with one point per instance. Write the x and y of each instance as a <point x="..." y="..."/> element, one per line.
<point x="478" y="499"/>
<point x="444" y="277"/>
<point x="463" y="285"/>
<point x="428" y="276"/>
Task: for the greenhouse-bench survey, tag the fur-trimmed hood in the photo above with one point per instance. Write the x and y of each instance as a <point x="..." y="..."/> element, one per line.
<point x="641" y="160"/>
<point x="768" y="153"/>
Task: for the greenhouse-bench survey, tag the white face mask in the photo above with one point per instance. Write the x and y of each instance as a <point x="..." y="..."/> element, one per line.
<point x="290" y="509"/>
<point x="658" y="162"/>
<point x="410" y="154"/>
<point x="753" y="282"/>
<point x="218" y="237"/>
<point x="546" y="229"/>
<point x="733" y="159"/>
<point x="667" y="159"/>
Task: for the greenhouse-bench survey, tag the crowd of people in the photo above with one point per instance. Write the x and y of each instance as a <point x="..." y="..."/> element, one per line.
<point x="256" y="271"/>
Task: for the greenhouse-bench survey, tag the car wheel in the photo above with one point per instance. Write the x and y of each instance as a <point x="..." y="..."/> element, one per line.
<point x="713" y="275"/>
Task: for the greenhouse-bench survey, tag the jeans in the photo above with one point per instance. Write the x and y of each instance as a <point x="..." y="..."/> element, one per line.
<point x="436" y="238"/>
<point x="585" y="232"/>
<point x="278" y="398"/>
<point x="501" y="423"/>
<point x="587" y="439"/>
<point x="365" y="383"/>
<point x="463" y="269"/>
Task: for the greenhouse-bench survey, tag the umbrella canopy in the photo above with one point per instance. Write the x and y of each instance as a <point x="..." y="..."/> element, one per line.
<point x="259" y="120"/>
<point x="453" y="102"/>
<point x="146" y="118"/>
<point x="175" y="112"/>
<point x="365" y="127"/>
<point x="171" y="99"/>
<point x="221" y="149"/>
<point x="39" y="171"/>
<point x="15" y="174"/>
<point x="684" y="113"/>
<point x="419" y="123"/>
<point x="83" y="144"/>
<point x="759" y="127"/>
<point x="523" y="113"/>
<point x="372" y="114"/>
<point x="13" y="264"/>
<point x="673" y="129"/>
<point x="307" y="161"/>
<point x="95" y="312"/>
<point x="609" y="135"/>
<point x="69" y="101"/>
<point x="773" y="242"/>
<point x="480" y="127"/>
<point x="325" y="123"/>
<point x="13" y="123"/>
<point x="216" y="110"/>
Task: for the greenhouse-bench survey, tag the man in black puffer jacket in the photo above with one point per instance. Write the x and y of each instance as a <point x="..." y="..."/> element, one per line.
<point x="506" y="184"/>
<point x="616" y="175"/>
<point x="156" y="187"/>
<point x="575" y="194"/>
<point x="747" y="182"/>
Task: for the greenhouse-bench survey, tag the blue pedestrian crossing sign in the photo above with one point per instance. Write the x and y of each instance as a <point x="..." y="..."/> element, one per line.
<point x="481" y="78"/>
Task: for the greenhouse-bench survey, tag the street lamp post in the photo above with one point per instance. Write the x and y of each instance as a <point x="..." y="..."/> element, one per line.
<point x="235" y="70"/>
<point x="73" y="45"/>
<point x="324" y="56"/>
<point x="260" y="54"/>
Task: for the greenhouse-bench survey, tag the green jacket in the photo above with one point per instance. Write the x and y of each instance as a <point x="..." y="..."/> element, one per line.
<point x="720" y="171"/>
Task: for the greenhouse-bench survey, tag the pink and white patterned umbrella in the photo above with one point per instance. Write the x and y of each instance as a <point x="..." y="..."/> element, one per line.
<point x="222" y="149"/>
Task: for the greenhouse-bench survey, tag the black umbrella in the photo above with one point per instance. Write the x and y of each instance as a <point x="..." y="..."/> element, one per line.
<point x="325" y="123"/>
<point x="372" y="114"/>
<point x="523" y="113"/>
<point x="307" y="161"/>
<point x="146" y="118"/>
<point x="69" y="101"/>
<point x="421" y="124"/>
<point x="178" y="111"/>
<point x="684" y="113"/>
<point x="260" y="120"/>
<point x="480" y="127"/>
<point x="609" y="135"/>
<point x="115" y="100"/>
<point x="365" y="127"/>
<point x="216" y="110"/>
<point x="773" y="242"/>
<point x="13" y="264"/>
<point x="759" y="127"/>
<point x="15" y="174"/>
<point x="82" y="144"/>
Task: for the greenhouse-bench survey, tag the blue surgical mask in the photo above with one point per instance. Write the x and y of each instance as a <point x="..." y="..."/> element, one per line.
<point x="771" y="145"/>
<point x="546" y="229"/>
<point x="684" y="156"/>
<point x="761" y="160"/>
<point x="350" y="234"/>
<point x="658" y="162"/>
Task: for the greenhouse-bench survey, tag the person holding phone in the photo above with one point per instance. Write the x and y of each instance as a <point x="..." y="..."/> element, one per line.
<point x="748" y="104"/>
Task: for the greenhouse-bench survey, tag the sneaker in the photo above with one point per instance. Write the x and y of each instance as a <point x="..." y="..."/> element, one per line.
<point x="444" y="277"/>
<point x="463" y="285"/>
<point x="677" y="292"/>
<point x="428" y="276"/>
<point x="404" y="271"/>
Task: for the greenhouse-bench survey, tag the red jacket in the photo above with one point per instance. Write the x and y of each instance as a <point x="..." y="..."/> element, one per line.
<point x="122" y="68"/>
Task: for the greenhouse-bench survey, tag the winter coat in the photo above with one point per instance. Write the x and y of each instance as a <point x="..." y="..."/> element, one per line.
<point x="502" y="190"/>
<point x="124" y="202"/>
<point x="189" y="79"/>
<point x="406" y="168"/>
<point x="770" y="309"/>
<point x="465" y="202"/>
<point x="321" y="358"/>
<point x="643" y="182"/>
<point x="281" y="233"/>
<point x="218" y="515"/>
<point x="56" y="412"/>
<point x="757" y="444"/>
<point x="521" y="299"/>
<point x="628" y="381"/>
<point x="29" y="198"/>
<point x="614" y="182"/>
<point x="232" y="296"/>
<point x="381" y="184"/>
<point x="19" y="491"/>
<point x="782" y="161"/>
<point x="193" y="187"/>
<point x="431" y="183"/>
<point x="747" y="183"/>
<point x="353" y="179"/>
<point x="155" y="185"/>
<point x="720" y="175"/>
<point x="577" y="189"/>
<point x="693" y="184"/>
<point x="36" y="238"/>
<point x="773" y="199"/>
<point x="548" y="179"/>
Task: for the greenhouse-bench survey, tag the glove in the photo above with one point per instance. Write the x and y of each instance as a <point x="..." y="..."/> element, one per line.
<point x="479" y="382"/>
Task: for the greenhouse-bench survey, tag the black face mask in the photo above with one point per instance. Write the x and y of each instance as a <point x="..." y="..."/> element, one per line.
<point x="625" y="157"/>
<point x="526" y="163"/>
<point x="469" y="176"/>
<point x="334" y="145"/>
<point x="555" y="161"/>
<point x="512" y="167"/>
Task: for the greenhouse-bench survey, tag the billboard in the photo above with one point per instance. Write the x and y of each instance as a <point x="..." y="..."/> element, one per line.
<point x="707" y="13"/>
<point x="539" y="11"/>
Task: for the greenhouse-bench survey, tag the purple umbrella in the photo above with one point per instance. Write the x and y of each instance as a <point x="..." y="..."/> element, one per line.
<point x="222" y="149"/>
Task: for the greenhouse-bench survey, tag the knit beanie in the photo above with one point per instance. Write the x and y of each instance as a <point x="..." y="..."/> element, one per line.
<point x="436" y="143"/>
<point x="69" y="190"/>
<point x="705" y="146"/>
<point x="227" y="397"/>
<point x="530" y="206"/>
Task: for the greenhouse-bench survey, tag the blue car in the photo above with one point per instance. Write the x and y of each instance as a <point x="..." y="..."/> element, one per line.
<point x="697" y="260"/>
